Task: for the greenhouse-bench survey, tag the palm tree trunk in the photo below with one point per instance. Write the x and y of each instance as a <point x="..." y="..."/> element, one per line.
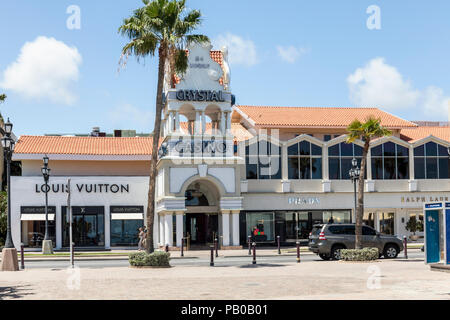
<point x="156" y="135"/>
<point x="360" y="208"/>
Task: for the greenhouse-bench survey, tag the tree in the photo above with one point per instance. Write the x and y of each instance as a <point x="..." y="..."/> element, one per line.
<point x="160" y="27"/>
<point x="366" y="132"/>
<point x="2" y="97"/>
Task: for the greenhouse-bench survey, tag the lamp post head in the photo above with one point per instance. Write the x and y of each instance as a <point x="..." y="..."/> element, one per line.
<point x="45" y="160"/>
<point x="8" y="128"/>
<point x="354" y="163"/>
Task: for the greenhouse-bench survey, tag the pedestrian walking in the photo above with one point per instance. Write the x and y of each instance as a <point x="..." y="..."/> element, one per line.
<point x="141" y="239"/>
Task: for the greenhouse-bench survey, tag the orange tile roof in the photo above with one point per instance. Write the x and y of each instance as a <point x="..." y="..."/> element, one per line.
<point x="84" y="145"/>
<point x="217" y="56"/>
<point x="415" y="134"/>
<point x="102" y="145"/>
<point x="318" y="116"/>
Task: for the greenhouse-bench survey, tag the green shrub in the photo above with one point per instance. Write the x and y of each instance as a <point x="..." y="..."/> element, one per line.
<point x="366" y="254"/>
<point x="155" y="259"/>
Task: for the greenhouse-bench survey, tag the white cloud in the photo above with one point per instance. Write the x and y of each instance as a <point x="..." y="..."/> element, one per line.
<point x="128" y="116"/>
<point x="290" y="54"/>
<point x="45" y="68"/>
<point x="381" y="85"/>
<point x="240" y="51"/>
<point x="435" y="102"/>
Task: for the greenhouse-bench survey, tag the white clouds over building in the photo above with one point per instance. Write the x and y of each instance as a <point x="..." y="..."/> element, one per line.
<point x="381" y="85"/>
<point x="242" y="51"/>
<point x="45" y="69"/>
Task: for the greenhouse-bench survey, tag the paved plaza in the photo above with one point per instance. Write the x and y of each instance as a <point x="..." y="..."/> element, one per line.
<point x="270" y="279"/>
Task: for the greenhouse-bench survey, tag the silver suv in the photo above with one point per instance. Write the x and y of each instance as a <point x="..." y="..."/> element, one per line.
<point x="327" y="240"/>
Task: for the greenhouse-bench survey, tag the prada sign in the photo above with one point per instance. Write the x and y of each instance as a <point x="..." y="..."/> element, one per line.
<point x="200" y="95"/>
<point x="299" y="201"/>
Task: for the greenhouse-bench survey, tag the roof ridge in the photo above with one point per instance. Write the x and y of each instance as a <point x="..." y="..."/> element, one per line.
<point x="253" y="106"/>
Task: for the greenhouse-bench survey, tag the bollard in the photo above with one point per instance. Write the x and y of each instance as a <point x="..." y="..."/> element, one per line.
<point x="22" y="257"/>
<point x="254" y="253"/>
<point x="298" y="251"/>
<point x="405" y="246"/>
<point x="279" y="249"/>
<point x="182" y="247"/>
<point x="211" y="264"/>
<point x="216" y="245"/>
<point x="167" y="248"/>
<point x="249" y="245"/>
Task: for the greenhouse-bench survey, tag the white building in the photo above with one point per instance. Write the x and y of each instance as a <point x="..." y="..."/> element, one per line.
<point x="227" y="171"/>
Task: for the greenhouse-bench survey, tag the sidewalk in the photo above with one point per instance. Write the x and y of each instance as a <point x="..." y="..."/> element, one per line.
<point x="191" y="254"/>
<point x="383" y="279"/>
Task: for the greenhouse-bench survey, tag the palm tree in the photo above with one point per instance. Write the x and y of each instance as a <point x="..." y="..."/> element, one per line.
<point x="160" y="27"/>
<point x="366" y="132"/>
<point x="2" y="97"/>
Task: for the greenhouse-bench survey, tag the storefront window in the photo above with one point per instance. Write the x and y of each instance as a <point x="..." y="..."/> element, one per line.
<point x="336" y="217"/>
<point x="33" y="233"/>
<point x="390" y="161"/>
<point x="304" y="161"/>
<point x="369" y="219"/>
<point x="431" y="161"/>
<point x="125" y="232"/>
<point x="386" y="220"/>
<point x="260" y="226"/>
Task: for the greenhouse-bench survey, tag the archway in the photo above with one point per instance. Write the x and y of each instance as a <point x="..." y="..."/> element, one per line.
<point x="202" y="213"/>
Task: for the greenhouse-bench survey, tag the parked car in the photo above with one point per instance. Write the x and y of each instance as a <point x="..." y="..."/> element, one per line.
<point x="327" y="240"/>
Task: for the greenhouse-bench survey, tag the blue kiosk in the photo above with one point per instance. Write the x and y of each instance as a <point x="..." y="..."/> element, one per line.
<point x="437" y="232"/>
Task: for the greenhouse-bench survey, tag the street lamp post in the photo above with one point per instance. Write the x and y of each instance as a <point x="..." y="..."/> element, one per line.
<point x="354" y="174"/>
<point x="9" y="252"/>
<point x="47" y="245"/>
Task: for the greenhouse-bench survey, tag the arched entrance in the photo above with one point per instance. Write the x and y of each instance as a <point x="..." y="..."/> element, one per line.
<point x="202" y="213"/>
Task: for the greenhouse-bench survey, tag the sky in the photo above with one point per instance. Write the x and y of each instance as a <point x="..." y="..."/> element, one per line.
<point x="59" y="60"/>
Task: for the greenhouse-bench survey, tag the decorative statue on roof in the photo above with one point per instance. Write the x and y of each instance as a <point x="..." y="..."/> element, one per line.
<point x="226" y="69"/>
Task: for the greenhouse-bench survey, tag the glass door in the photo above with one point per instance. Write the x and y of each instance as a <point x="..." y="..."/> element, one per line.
<point x="88" y="229"/>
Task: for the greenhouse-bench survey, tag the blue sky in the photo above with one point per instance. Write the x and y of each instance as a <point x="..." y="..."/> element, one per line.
<point x="295" y="53"/>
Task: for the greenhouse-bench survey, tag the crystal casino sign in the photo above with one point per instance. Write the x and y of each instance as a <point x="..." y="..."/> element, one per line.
<point x="200" y="95"/>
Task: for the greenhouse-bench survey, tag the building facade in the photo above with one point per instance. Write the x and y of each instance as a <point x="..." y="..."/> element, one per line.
<point x="227" y="171"/>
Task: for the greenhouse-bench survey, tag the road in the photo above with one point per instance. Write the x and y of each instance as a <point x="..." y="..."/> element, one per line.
<point x="221" y="261"/>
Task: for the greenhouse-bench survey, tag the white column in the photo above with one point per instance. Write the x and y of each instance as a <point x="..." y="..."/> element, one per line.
<point x="177" y="121"/>
<point x="411" y="162"/>
<point x="235" y="227"/>
<point x="170" y="120"/>
<point x="222" y="122"/>
<point x="228" y="121"/>
<point x="168" y="228"/>
<point x="197" y="125"/>
<point x="162" y="241"/>
<point x="203" y="122"/>
<point x="225" y="229"/>
<point x="179" y="228"/>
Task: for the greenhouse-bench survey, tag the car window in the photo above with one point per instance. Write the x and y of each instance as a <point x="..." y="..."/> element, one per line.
<point x="367" y="231"/>
<point x="350" y="230"/>
<point x="336" y="229"/>
<point x="316" y="230"/>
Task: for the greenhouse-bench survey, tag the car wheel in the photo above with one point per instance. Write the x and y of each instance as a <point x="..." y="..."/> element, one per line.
<point x="324" y="256"/>
<point x="336" y="252"/>
<point x="390" y="251"/>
